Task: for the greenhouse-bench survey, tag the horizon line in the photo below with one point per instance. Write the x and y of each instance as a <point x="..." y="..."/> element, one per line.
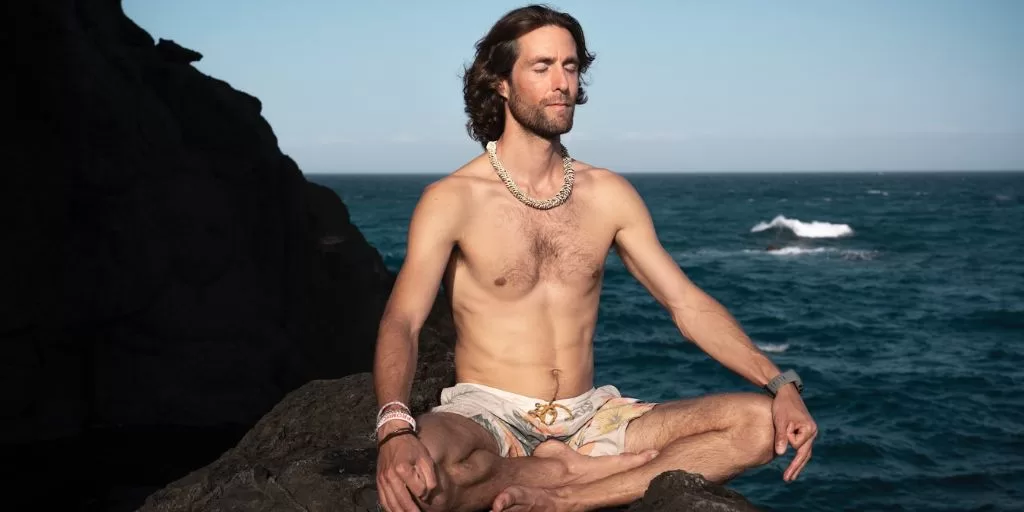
<point x="791" y="171"/>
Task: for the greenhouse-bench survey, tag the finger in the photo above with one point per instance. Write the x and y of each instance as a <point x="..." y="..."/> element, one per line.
<point x="414" y="482"/>
<point x="798" y="436"/>
<point x="803" y="464"/>
<point x="384" y="494"/>
<point x="780" y="438"/>
<point x="395" y="490"/>
<point x="810" y="447"/>
<point x="799" y="466"/>
<point x="426" y="470"/>
<point x="804" y="434"/>
<point x="786" y="476"/>
<point x="802" y="454"/>
<point x="403" y="499"/>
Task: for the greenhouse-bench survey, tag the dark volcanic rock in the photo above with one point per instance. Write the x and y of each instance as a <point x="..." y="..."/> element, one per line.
<point x="679" y="490"/>
<point x="314" y="450"/>
<point x="172" y="275"/>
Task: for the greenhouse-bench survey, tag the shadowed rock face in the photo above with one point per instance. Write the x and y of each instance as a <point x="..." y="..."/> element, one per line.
<point x="174" y="281"/>
<point x="172" y="275"/>
<point x="314" y="451"/>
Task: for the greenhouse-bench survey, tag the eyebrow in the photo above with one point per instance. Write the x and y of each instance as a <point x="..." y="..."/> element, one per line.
<point x="551" y="60"/>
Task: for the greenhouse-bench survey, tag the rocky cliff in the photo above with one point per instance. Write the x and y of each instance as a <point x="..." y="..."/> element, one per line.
<point x="173" y="274"/>
<point x="182" y="303"/>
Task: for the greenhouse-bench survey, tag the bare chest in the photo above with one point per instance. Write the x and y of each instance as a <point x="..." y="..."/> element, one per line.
<point x="516" y="249"/>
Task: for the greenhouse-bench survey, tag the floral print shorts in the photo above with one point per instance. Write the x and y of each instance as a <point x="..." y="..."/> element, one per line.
<point x="593" y="423"/>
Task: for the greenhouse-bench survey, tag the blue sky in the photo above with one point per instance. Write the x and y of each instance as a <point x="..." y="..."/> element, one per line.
<point x="717" y="85"/>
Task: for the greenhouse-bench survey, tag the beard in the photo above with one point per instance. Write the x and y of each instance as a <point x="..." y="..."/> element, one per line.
<point x="535" y="119"/>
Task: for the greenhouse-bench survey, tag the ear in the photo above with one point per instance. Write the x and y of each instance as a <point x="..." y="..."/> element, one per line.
<point x="502" y="88"/>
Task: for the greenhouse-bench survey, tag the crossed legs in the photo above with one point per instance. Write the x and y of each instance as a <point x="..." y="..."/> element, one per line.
<point x="717" y="436"/>
<point x="470" y="473"/>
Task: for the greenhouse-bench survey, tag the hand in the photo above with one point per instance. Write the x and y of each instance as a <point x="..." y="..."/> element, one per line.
<point x="793" y="426"/>
<point x="405" y="474"/>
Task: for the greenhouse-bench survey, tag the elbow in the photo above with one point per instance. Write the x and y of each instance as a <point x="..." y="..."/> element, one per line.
<point x="394" y="326"/>
<point x="689" y="310"/>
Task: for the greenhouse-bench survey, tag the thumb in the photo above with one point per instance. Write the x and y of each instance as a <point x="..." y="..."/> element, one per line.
<point x="781" y="438"/>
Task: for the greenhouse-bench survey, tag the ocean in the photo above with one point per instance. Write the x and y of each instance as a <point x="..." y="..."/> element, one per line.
<point x="898" y="297"/>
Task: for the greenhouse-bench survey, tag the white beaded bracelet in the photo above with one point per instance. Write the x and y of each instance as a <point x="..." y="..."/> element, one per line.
<point x="396" y="415"/>
<point x="380" y="412"/>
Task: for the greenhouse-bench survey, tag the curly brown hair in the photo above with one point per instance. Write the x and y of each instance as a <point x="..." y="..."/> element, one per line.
<point x="495" y="55"/>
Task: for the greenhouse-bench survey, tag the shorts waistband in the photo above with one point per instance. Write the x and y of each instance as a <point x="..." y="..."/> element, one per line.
<point x="522" y="401"/>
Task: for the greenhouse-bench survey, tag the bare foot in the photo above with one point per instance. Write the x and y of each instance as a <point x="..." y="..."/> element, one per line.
<point x="581" y="469"/>
<point x="529" y="499"/>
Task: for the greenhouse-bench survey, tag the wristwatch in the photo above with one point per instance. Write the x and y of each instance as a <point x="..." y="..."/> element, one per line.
<point x="781" y="380"/>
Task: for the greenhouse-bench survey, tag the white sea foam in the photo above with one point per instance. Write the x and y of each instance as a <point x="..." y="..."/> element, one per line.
<point x="707" y="254"/>
<point x="773" y="347"/>
<point x="875" y="192"/>
<point x="791" y="251"/>
<point x="813" y="229"/>
<point x="859" y="255"/>
<point x="846" y="254"/>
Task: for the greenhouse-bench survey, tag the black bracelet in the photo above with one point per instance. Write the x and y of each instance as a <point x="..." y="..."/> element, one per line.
<point x="398" y="432"/>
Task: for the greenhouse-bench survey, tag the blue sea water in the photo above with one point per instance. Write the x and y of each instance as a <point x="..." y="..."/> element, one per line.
<point x="899" y="298"/>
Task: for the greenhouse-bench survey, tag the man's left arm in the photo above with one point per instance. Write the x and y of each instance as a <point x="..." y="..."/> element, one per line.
<point x="703" y="320"/>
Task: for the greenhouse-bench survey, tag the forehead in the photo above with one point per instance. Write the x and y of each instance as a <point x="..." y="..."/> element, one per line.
<point x="549" y="41"/>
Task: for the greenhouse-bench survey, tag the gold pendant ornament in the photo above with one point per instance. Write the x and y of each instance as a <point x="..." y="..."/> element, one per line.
<point x="548" y="413"/>
<point x="547" y="204"/>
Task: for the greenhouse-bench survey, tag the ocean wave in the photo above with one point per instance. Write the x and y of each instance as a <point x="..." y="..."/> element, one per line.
<point x="790" y="251"/>
<point x="813" y="229"/>
<point x="846" y="254"/>
<point x="773" y="347"/>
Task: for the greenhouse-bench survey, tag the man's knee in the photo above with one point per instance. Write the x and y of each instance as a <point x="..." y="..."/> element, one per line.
<point x="755" y="431"/>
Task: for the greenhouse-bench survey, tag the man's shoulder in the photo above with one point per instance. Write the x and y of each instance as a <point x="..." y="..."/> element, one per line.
<point x="602" y="180"/>
<point x="458" y="185"/>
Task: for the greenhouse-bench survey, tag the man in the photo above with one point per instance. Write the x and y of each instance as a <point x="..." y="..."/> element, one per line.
<point x="525" y="428"/>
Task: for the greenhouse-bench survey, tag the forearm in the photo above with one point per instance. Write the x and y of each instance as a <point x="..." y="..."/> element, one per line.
<point x="711" y="327"/>
<point x="394" y="362"/>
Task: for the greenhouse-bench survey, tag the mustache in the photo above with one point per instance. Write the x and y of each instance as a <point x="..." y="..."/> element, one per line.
<point x="561" y="101"/>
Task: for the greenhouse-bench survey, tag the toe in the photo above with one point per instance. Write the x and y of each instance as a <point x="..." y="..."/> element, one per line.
<point x="502" y="501"/>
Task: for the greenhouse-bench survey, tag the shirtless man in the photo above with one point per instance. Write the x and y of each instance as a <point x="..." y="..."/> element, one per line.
<point x="524" y="428"/>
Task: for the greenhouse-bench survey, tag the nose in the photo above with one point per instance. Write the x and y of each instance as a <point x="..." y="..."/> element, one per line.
<point x="560" y="80"/>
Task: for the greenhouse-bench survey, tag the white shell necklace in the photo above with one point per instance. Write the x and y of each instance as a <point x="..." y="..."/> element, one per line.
<point x="547" y="204"/>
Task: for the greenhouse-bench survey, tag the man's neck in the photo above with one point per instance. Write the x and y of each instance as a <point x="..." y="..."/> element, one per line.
<point x="530" y="159"/>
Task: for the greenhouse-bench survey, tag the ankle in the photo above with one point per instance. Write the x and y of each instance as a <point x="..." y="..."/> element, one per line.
<point x="563" y="497"/>
<point x="562" y="473"/>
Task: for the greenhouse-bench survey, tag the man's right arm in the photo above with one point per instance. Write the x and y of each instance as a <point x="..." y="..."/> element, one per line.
<point x="432" y="235"/>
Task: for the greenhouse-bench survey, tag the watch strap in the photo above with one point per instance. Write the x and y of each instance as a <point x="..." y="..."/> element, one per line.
<point x="782" y="379"/>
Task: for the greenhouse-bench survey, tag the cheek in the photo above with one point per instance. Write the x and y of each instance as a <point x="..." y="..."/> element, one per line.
<point x="530" y="92"/>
